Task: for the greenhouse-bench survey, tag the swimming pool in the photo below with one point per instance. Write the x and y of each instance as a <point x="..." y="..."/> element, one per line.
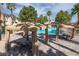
<point x="51" y="31"/>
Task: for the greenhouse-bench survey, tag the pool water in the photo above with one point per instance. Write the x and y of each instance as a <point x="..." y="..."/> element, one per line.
<point x="51" y="31"/>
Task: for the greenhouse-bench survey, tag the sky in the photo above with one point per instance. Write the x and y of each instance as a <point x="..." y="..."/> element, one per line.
<point x="42" y="9"/>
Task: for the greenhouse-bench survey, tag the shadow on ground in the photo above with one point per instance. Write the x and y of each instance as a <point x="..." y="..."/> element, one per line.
<point x="23" y="47"/>
<point x="19" y="47"/>
<point x="50" y="52"/>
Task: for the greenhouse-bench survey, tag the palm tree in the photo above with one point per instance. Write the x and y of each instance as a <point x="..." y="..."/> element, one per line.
<point x="62" y="17"/>
<point x="49" y="13"/>
<point x="46" y="30"/>
<point x="75" y="10"/>
<point x="11" y="7"/>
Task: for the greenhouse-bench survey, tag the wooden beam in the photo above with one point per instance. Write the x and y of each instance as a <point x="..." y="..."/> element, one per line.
<point x="69" y="27"/>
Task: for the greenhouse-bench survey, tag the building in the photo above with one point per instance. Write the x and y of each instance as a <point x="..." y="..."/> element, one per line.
<point x="8" y="19"/>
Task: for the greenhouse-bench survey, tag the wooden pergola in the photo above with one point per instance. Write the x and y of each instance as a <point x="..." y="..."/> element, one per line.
<point x="12" y="28"/>
<point x="76" y="27"/>
<point x="69" y="27"/>
<point x="57" y="35"/>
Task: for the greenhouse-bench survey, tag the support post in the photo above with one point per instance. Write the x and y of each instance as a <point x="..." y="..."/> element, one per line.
<point x="4" y="42"/>
<point x="25" y="28"/>
<point x="46" y="34"/>
<point x="35" y="43"/>
<point x="73" y="32"/>
<point x="57" y="33"/>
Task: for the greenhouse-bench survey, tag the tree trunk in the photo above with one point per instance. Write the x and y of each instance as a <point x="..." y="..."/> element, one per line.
<point x="46" y="34"/>
<point x="26" y="34"/>
<point x="26" y="31"/>
<point x="76" y="26"/>
<point x="73" y="31"/>
<point x="78" y="17"/>
<point x="12" y="15"/>
<point x="49" y="18"/>
<point x="57" y="34"/>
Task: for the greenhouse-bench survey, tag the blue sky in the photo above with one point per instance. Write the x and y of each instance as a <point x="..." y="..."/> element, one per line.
<point x="42" y="8"/>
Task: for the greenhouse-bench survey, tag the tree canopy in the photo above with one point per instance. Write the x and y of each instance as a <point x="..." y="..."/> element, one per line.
<point x="43" y="19"/>
<point x="75" y="10"/>
<point x="28" y="14"/>
<point x="11" y="7"/>
<point x="63" y="17"/>
<point x="49" y="13"/>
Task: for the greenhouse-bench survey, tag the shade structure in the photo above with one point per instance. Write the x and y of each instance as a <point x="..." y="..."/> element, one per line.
<point x="67" y="26"/>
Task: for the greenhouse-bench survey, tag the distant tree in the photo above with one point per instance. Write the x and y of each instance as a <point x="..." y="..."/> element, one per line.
<point x="49" y="13"/>
<point x="75" y="10"/>
<point x="62" y="17"/>
<point x="43" y="19"/>
<point x="11" y="7"/>
<point x="28" y="14"/>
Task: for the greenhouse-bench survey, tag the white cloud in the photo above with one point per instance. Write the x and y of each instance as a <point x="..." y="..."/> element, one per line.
<point x="16" y="11"/>
<point x="42" y="8"/>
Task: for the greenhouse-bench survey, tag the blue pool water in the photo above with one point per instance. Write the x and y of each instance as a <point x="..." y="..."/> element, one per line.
<point x="51" y="31"/>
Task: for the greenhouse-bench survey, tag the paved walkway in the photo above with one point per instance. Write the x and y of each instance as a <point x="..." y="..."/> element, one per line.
<point x="61" y="48"/>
